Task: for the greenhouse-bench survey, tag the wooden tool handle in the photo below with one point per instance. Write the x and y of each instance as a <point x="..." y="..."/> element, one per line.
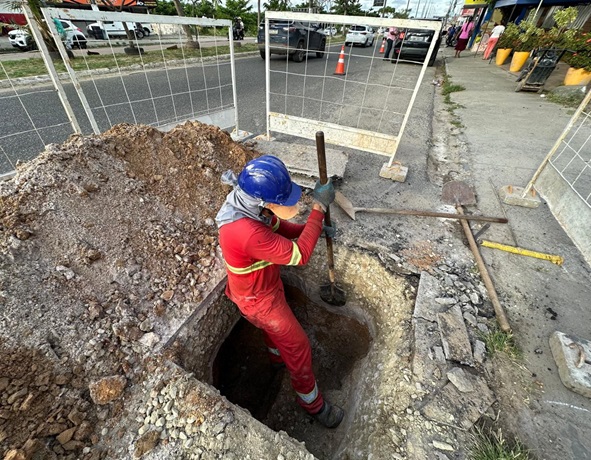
<point x="490" y="288"/>
<point x="321" y="151"/>
<point x="446" y="215"/>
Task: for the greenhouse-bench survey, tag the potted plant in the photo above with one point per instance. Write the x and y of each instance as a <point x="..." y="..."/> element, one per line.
<point x="505" y="43"/>
<point x="578" y="58"/>
<point x="527" y="40"/>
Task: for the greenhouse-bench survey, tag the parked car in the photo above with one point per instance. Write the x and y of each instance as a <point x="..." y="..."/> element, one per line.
<point x="22" y="39"/>
<point x="330" y="31"/>
<point x="360" y="35"/>
<point x="116" y="29"/>
<point x="413" y="45"/>
<point x="294" y="38"/>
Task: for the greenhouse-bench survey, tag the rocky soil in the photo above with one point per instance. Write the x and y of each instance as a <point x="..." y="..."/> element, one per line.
<point x="106" y="245"/>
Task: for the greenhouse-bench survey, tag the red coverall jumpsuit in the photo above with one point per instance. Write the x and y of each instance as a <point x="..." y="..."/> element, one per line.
<point x="254" y="253"/>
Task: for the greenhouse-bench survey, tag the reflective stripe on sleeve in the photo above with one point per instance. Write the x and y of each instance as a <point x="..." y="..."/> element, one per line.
<point x="274" y="351"/>
<point x="276" y="226"/>
<point x="251" y="268"/>
<point x="296" y="255"/>
<point x="309" y="398"/>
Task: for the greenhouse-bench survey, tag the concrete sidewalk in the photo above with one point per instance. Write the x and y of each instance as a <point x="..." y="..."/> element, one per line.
<point x="505" y="137"/>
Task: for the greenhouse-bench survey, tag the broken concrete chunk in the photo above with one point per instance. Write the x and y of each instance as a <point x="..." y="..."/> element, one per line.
<point x="572" y="356"/>
<point x="457" y="376"/>
<point x="425" y="308"/>
<point x="479" y="351"/>
<point x="107" y="389"/>
<point x="452" y="407"/>
<point x="454" y="337"/>
<point x="443" y="446"/>
<point x="439" y="354"/>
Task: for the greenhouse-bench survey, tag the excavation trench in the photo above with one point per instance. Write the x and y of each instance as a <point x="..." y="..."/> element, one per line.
<point x="221" y="348"/>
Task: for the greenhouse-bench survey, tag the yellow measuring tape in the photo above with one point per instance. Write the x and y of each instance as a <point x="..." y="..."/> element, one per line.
<point x="524" y="252"/>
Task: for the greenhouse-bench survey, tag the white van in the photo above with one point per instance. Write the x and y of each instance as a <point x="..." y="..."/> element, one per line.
<point x="116" y="29"/>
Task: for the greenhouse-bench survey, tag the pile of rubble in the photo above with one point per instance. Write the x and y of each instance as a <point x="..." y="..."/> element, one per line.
<point x="107" y="243"/>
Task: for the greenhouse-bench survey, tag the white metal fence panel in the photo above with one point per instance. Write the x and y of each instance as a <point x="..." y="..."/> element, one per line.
<point x="159" y="82"/>
<point x="564" y="178"/>
<point x="363" y="101"/>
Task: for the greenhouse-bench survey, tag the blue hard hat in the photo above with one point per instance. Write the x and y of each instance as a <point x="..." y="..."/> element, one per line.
<point x="267" y="178"/>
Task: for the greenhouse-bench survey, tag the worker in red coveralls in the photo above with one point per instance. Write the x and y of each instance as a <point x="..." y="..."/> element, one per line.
<point x="256" y="240"/>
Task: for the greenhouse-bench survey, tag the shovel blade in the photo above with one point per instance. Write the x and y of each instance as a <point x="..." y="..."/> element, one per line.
<point x="333" y="295"/>
<point x="344" y="204"/>
<point x="457" y="193"/>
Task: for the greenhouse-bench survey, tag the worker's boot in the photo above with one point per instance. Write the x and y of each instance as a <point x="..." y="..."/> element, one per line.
<point x="330" y="415"/>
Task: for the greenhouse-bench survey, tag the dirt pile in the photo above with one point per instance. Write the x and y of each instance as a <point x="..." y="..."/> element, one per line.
<point x="106" y="245"/>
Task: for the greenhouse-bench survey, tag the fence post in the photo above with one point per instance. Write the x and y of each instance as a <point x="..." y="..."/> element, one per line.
<point x="50" y="67"/>
<point x="75" y="82"/>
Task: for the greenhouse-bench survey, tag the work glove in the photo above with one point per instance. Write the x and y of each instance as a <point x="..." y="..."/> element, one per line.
<point x="329" y="230"/>
<point x="323" y="194"/>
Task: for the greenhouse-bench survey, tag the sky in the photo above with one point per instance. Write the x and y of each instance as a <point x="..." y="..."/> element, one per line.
<point x="437" y="7"/>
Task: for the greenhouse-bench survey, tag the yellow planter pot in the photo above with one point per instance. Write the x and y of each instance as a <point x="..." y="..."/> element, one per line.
<point x="519" y="58"/>
<point x="577" y="77"/>
<point x="502" y="55"/>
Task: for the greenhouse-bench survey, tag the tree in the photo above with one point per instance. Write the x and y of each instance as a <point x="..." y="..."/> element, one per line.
<point x="404" y="14"/>
<point x="165" y="8"/>
<point x="277" y="5"/>
<point x="347" y="7"/>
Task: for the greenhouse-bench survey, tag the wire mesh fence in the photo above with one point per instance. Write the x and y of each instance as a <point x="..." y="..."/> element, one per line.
<point x="32" y="119"/>
<point x="572" y="161"/>
<point x="184" y="70"/>
<point x="341" y="75"/>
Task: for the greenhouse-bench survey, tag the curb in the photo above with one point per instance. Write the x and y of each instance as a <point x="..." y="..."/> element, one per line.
<point x="85" y="74"/>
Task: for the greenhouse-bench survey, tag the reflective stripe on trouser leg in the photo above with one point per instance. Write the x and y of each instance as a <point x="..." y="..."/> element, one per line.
<point x="274" y="316"/>
<point x="309" y="398"/>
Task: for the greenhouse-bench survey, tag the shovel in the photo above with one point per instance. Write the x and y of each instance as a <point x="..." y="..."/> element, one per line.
<point x="350" y="210"/>
<point x="459" y="193"/>
<point x="330" y="293"/>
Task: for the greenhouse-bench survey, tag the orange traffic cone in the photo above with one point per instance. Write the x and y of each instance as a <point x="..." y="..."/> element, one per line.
<point x="340" y="70"/>
<point x="383" y="47"/>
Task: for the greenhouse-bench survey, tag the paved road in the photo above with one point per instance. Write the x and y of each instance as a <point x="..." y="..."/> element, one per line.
<point x="145" y="97"/>
<point x="7" y="52"/>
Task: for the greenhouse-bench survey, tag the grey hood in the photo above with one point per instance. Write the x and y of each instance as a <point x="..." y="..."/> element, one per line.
<point x="239" y="204"/>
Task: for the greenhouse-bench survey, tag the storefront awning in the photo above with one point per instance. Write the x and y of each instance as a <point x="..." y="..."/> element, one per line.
<point x="503" y="3"/>
<point x="468" y="4"/>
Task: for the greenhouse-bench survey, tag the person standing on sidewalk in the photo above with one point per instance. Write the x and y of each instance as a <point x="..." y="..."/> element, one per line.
<point x="465" y="33"/>
<point x="256" y="240"/>
<point x="391" y="38"/>
<point x="497" y="31"/>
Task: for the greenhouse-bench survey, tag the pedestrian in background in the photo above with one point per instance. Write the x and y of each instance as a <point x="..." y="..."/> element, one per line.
<point x="451" y="33"/>
<point x="465" y="33"/>
<point x="391" y="38"/>
<point x="497" y="31"/>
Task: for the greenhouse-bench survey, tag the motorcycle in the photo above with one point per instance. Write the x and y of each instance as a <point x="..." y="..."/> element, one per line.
<point x="238" y="34"/>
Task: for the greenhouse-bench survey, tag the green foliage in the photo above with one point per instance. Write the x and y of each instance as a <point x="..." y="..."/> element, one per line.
<point x="565" y="17"/>
<point x="498" y="341"/>
<point x="347" y="7"/>
<point x="509" y="36"/>
<point x="277" y="5"/>
<point x="165" y="8"/>
<point x="449" y="88"/>
<point x="490" y="445"/>
<point x="529" y="38"/>
<point x="404" y="14"/>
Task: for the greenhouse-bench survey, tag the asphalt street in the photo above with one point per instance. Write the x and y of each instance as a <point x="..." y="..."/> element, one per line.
<point x="372" y="95"/>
